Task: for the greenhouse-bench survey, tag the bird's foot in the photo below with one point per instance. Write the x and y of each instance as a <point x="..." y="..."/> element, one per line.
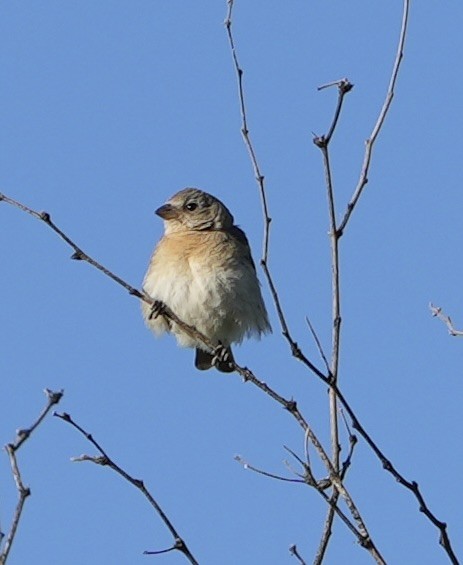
<point x="157" y="309"/>
<point x="222" y="359"/>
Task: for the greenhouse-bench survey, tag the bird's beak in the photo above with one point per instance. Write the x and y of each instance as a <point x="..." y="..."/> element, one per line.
<point x="167" y="212"/>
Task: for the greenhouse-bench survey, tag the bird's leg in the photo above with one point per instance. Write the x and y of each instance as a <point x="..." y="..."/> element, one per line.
<point x="157" y="309"/>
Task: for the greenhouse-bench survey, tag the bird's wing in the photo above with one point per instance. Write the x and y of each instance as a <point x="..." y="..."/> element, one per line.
<point x="238" y="234"/>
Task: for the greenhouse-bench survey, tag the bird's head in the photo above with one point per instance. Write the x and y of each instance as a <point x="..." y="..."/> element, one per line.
<point x="193" y="209"/>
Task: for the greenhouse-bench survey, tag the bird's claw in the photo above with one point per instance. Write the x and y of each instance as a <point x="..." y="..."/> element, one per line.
<point x="220" y="355"/>
<point x="157" y="308"/>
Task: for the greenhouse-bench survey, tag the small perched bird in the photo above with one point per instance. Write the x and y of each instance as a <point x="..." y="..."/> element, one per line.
<point x="203" y="271"/>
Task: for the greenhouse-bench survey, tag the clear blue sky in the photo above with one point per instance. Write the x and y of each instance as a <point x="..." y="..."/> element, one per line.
<point x="106" y="110"/>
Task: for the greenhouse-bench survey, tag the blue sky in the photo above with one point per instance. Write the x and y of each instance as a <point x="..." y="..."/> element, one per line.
<point x="106" y="110"/>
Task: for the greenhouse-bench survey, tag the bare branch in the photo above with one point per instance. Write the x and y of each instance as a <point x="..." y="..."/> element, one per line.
<point x="23" y="435"/>
<point x="323" y="142"/>
<point x="159" y="308"/>
<point x="246" y="135"/>
<point x="412" y="486"/>
<point x="105" y="460"/>
<point x="328" y="526"/>
<point x="352" y="443"/>
<point x="344" y="86"/>
<point x="260" y="181"/>
<point x="327" y="530"/>
<point x="360" y="533"/>
<point x="436" y="311"/>
<point x="290" y="405"/>
<point x="380" y="121"/>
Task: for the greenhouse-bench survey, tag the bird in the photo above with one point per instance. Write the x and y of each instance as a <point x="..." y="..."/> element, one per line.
<point x="202" y="270"/>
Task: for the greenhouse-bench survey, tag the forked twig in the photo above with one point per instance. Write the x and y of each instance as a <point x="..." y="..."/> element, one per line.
<point x="323" y="143"/>
<point x="328" y="525"/>
<point x="247" y="465"/>
<point x="104" y="460"/>
<point x="23" y="435"/>
<point x="380" y="121"/>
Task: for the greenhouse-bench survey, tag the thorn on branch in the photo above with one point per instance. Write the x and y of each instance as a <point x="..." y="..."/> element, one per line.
<point x="179" y="544"/>
<point x="344" y="85"/>
<point x="245" y="374"/>
<point x="135" y="292"/>
<point x="365" y="542"/>
<point x="64" y="416"/>
<point x="295" y="553"/>
<point x="54" y="396"/>
<point x="295" y="349"/>
<point x="77" y="256"/>
<point x="320" y="141"/>
<point x="291" y="406"/>
<point x="387" y="465"/>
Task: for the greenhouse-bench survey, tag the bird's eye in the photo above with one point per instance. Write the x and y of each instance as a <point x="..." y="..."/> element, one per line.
<point x="191" y="206"/>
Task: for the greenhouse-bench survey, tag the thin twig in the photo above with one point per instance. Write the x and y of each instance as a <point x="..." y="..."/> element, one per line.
<point x="80" y="255"/>
<point x="23" y="492"/>
<point x="295" y="350"/>
<point x="328" y="525"/>
<point x="105" y="460"/>
<point x="436" y="311"/>
<point x="246" y="135"/>
<point x="352" y="443"/>
<point x="294" y="552"/>
<point x="327" y="530"/>
<point x="323" y="142"/>
<point x="23" y="434"/>
<point x="258" y="176"/>
<point x="318" y="344"/>
<point x="344" y="86"/>
<point x="380" y="121"/>
<point x="360" y="533"/>
<point x="412" y="486"/>
<point x="247" y="465"/>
